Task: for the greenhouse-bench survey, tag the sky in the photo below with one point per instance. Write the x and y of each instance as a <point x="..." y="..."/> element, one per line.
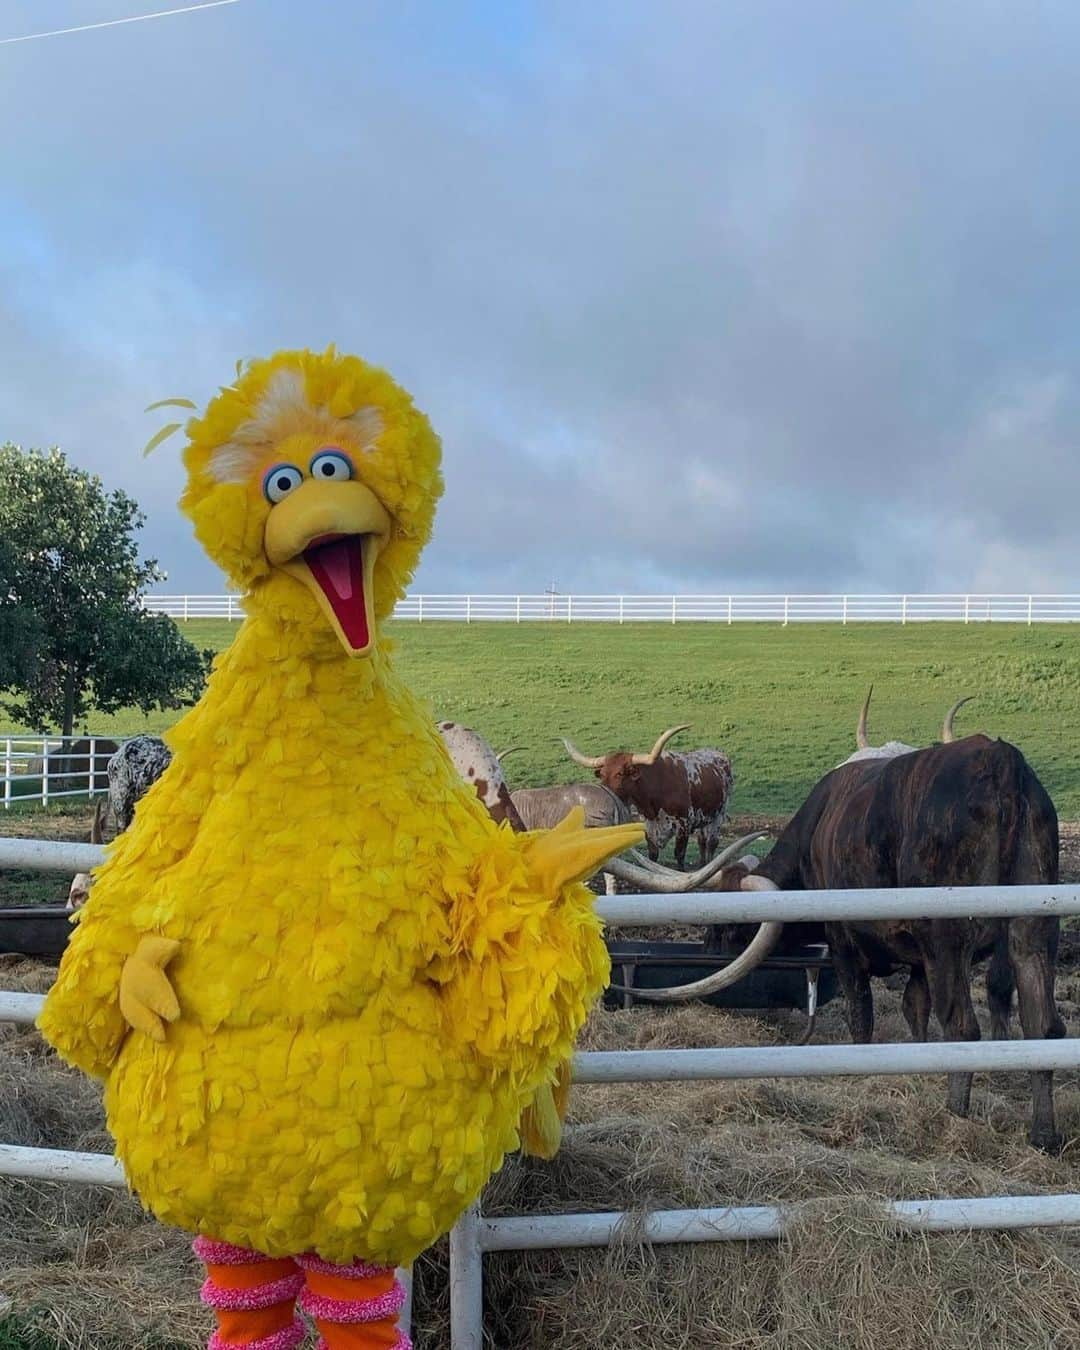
<point x="699" y="296"/>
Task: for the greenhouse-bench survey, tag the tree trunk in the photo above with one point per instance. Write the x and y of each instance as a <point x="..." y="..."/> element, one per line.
<point x="65" y="782"/>
<point x="69" y="702"/>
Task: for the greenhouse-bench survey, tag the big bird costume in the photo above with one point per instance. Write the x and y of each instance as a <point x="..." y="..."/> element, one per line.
<point x="326" y="993"/>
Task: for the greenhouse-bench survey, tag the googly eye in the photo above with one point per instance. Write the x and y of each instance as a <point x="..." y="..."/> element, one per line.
<point x="331" y="466"/>
<point x="279" y="481"/>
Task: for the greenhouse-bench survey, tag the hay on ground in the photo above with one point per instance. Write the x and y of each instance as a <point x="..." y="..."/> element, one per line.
<point x="87" y="1270"/>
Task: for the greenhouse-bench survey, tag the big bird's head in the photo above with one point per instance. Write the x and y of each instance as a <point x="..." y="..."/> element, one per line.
<point x="312" y="481"/>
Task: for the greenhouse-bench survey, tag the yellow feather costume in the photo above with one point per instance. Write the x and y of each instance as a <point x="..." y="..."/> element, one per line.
<point x="321" y="986"/>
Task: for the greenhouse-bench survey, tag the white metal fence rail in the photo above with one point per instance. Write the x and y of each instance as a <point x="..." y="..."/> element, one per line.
<point x="476" y="1234"/>
<point x="726" y="609"/>
<point x="49" y="768"/>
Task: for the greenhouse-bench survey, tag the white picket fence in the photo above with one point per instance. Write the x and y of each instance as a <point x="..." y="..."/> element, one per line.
<point x="43" y="769"/>
<point x="476" y="1234"/>
<point x="727" y="609"/>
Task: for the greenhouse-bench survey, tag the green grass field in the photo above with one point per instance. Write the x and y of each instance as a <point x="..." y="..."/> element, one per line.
<point x="781" y="701"/>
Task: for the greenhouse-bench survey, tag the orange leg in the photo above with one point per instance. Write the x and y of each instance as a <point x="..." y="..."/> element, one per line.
<point x="354" y="1307"/>
<point x="254" y="1297"/>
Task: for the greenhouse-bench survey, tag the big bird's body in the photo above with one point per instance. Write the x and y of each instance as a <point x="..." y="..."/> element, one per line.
<point x="372" y="980"/>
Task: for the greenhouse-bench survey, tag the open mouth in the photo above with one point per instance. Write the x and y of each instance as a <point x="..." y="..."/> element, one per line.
<point x="336" y="562"/>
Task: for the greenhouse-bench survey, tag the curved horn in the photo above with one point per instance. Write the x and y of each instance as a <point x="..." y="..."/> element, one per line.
<point x="578" y="758"/>
<point x="765" y="939"/>
<point x="512" y="751"/>
<point x="862" y="740"/>
<point x="661" y="741"/>
<point x="666" y="881"/>
<point x="947" y="734"/>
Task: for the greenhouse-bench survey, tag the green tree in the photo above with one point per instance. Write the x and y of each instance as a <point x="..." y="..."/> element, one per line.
<point x="21" y="633"/>
<point x="73" y="634"/>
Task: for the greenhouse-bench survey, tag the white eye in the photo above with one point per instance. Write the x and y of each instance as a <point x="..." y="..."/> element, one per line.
<point x="279" y="481"/>
<point x="331" y="466"/>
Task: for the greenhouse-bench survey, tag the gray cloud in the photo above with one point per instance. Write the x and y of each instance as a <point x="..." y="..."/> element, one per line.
<point x="753" y="296"/>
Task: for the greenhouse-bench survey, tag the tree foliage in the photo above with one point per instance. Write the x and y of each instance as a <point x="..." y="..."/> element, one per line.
<point x="73" y="634"/>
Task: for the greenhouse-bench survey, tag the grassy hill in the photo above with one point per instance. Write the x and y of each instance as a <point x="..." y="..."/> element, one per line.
<point x="781" y="701"/>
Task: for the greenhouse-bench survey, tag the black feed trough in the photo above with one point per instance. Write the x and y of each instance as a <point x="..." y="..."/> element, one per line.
<point x="35" y="930"/>
<point x="802" y="977"/>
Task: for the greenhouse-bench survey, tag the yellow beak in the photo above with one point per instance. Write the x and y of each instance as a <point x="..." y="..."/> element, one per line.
<point x="328" y="535"/>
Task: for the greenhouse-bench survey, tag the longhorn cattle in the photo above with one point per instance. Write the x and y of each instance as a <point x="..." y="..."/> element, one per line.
<point x="133" y="768"/>
<point x="893" y="748"/>
<point x="966" y="813"/>
<point x="479" y="765"/>
<point x="79" y="890"/>
<point x="542" y="808"/>
<point x="681" y="793"/>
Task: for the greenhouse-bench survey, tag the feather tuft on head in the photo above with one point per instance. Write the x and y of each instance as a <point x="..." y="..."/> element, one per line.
<point x="168" y="429"/>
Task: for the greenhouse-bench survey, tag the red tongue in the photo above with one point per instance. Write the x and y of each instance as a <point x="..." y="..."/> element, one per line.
<point x="338" y="567"/>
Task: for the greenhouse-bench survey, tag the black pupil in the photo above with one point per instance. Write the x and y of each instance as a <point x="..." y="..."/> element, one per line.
<point x="284" y="483"/>
<point x="328" y="470"/>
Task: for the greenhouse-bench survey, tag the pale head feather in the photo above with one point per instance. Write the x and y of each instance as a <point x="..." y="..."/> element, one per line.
<point x="283" y="410"/>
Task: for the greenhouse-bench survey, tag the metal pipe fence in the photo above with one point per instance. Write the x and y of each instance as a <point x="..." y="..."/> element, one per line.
<point x="51" y="768"/>
<point x="476" y="1234"/>
<point x="898" y="608"/>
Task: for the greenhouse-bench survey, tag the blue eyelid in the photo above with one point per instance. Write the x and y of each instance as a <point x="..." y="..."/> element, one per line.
<point x="331" y="454"/>
<point x="269" y="475"/>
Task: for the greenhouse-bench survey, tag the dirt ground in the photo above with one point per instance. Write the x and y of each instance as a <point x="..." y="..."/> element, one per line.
<point x="84" y="1269"/>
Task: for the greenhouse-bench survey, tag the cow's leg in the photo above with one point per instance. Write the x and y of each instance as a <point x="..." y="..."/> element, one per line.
<point x="682" y="839"/>
<point x="1033" y="951"/>
<point x="948" y="972"/>
<point x="917" y="1004"/>
<point x="854" y="980"/>
<point x="708" y="842"/>
<point x="999" y="988"/>
<point x="652" y="840"/>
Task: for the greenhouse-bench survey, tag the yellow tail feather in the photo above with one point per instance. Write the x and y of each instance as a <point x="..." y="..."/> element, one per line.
<point x="541" y="1123"/>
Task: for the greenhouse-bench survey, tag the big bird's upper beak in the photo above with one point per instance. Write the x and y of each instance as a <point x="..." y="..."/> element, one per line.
<point x="327" y="535"/>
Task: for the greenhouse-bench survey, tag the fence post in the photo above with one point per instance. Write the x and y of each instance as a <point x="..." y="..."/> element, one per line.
<point x="405" y="1277"/>
<point x="787" y="609"/>
<point x="845" y="611"/>
<point x="466" y="1282"/>
<point x="967" y="608"/>
<point x="91" y="779"/>
<point x="468" y="609"/>
<point x="518" y="619"/>
<point x="673" y="609"/>
<point x="7" y="773"/>
<point x="730" y="614"/>
<point x="1029" y="610"/>
<point x="419" y="609"/>
<point x="621" y="598"/>
<point x="44" y="771"/>
<point x="185" y="609"/>
<point x="569" y="609"/>
<point x="903" y="609"/>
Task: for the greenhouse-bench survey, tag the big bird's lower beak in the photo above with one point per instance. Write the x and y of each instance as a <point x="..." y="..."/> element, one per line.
<point x="328" y="535"/>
